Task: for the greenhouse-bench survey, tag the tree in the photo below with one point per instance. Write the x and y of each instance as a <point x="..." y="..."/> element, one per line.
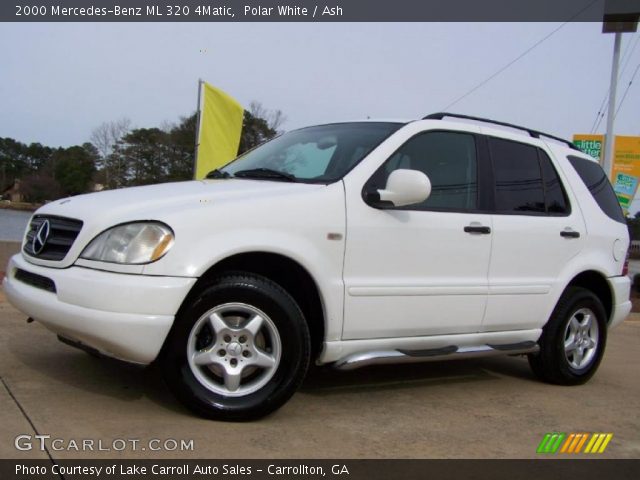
<point x="37" y="156"/>
<point x="274" y="118"/>
<point x="180" y="140"/>
<point x="181" y="149"/>
<point x="12" y="161"/>
<point x="255" y="130"/>
<point x="74" y="168"/>
<point x="104" y="137"/>
<point x="140" y="158"/>
<point x="118" y="156"/>
<point x="40" y="188"/>
<point x="19" y="160"/>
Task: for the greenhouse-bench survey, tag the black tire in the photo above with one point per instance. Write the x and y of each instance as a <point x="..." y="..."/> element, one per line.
<point x="551" y="363"/>
<point x="295" y="346"/>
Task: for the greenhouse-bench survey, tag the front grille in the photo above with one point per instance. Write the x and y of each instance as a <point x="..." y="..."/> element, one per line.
<point x="62" y="233"/>
<point x="35" y="280"/>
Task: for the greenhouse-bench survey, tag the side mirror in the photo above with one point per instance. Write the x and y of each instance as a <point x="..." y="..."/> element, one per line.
<point x="404" y="187"/>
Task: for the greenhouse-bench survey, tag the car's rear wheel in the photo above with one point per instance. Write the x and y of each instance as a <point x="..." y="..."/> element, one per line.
<point x="239" y="350"/>
<point x="573" y="340"/>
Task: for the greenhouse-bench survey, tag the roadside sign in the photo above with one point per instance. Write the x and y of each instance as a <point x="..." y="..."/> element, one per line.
<point x="625" y="174"/>
<point x="590" y="144"/>
<point x="626" y="169"/>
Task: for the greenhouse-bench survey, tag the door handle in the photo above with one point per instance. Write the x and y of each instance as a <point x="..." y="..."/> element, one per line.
<point x="477" y="229"/>
<point x="569" y="233"/>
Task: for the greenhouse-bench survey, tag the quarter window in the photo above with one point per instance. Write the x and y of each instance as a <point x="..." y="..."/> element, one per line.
<point x="596" y="181"/>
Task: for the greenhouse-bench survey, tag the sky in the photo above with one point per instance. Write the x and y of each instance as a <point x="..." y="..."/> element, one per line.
<point x="58" y="81"/>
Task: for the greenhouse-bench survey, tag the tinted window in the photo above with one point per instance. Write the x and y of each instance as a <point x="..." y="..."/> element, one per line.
<point x="518" y="177"/>
<point x="555" y="196"/>
<point x="596" y="181"/>
<point x="448" y="159"/>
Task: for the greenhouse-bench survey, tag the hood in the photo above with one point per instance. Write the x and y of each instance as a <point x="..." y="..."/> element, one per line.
<point x="166" y="202"/>
<point x="142" y="203"/>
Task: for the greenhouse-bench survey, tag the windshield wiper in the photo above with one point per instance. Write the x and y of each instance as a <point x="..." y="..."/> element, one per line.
<point x="218" y="174"/>
<point x="265" y="173"/>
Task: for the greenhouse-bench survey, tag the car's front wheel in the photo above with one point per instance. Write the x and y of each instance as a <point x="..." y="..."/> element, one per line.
<point x="239" y="350"/>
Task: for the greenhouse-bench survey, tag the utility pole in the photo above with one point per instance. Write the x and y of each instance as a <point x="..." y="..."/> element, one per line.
<point x="198" y="118"/>
<point x="619" y="16"/>
<point x="613" y="87"/>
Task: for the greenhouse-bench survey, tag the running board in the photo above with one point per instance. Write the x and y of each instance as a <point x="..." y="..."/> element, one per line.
<point x="452" y="352"/>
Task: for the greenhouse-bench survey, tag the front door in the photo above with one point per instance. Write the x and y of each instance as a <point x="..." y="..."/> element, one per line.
<point x="422" y="269"/>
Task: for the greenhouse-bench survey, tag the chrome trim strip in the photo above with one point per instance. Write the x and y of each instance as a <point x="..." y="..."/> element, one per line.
<point x="382" y="357"/>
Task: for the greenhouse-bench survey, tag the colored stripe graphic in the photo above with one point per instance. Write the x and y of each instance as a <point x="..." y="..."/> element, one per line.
<point x="551" y="442"/>
<point x="582" y="442"/>
<point x="598" y="442"/>
<point x="576" y="443"/>
<point x="573" y="443"/>
<point x="605" y="442"/>
<point x="543" y="443"/>
<point x="565" y="447"/>
<point x="557" y="443"/>
<point x="594" y="437"/>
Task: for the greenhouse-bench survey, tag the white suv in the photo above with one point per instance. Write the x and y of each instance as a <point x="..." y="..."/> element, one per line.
<point x="349" y="244"/>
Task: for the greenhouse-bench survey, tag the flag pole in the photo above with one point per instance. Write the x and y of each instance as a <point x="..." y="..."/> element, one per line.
<point x="197" y="142"/>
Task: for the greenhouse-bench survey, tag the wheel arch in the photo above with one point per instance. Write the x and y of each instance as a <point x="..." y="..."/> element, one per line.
<point x="286" y="272"/>
<point x="597" y="283"/>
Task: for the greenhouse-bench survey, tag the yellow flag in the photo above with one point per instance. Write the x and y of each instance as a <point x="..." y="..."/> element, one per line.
<point x="220" y="129"/>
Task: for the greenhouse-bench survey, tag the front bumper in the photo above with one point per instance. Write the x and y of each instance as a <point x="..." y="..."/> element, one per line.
<point x="621" y="288"/>
<point x="123" y="316"/>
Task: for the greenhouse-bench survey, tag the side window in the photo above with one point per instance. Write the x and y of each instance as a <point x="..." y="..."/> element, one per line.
<point x="556" y="198"/>
<point x="518" y="177"/>
<point x="448" y="159"/>
<point x="596" y="181"/>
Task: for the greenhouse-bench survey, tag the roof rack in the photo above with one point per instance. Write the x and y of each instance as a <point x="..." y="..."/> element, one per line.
<point x="533" y="133"/>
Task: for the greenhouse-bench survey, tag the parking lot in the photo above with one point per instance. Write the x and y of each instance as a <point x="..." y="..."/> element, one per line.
<point x="491" y="408"/>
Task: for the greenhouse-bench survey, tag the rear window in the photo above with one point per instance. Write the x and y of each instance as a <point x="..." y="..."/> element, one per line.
<point x="598" y="184"/>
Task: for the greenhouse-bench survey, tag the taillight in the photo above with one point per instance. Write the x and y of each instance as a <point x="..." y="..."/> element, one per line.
<point x="625" y="267"/>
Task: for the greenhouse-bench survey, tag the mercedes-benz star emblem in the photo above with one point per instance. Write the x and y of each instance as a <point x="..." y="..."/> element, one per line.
<point x="40" y="238"/>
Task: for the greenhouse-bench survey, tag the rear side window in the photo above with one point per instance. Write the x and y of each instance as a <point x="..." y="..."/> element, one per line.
<point x="519" y="186"/>
<point x="525" y="180"/>
<point x="598" y="184"/>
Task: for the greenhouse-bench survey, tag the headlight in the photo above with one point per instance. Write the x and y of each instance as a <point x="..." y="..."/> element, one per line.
<point x="132" y="243"/>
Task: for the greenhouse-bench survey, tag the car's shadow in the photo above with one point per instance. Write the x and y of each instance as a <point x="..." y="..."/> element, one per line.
<point x="103" y="376"/>
<point x="327" y="381"/>
<point x="129" y="383"/>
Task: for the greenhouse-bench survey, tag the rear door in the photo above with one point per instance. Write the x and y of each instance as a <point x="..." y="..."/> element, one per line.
<point x="535" y="232"/>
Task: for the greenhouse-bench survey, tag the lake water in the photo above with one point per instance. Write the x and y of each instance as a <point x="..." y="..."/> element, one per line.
<point x="12" y="224"/>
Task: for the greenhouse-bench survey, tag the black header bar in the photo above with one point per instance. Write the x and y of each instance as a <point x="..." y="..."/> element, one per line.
<point x="310" y="10"/>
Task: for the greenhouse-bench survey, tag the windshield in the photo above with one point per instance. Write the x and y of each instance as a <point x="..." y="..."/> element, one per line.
<point x="321" y="154"/>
